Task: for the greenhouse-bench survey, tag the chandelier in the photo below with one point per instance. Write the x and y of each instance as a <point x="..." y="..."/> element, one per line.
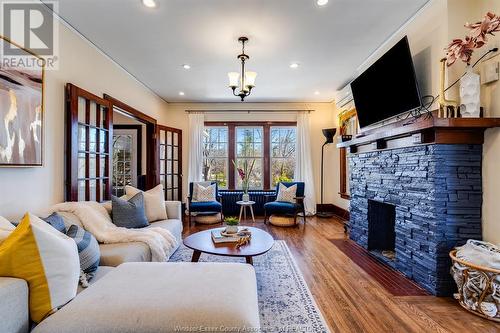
<point x="242" y="83"/>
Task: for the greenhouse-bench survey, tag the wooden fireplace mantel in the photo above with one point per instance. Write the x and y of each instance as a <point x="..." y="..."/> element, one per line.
<point x="425" y="130"/>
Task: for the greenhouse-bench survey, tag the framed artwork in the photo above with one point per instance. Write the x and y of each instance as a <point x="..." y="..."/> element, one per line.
<point x="21" y="110"/>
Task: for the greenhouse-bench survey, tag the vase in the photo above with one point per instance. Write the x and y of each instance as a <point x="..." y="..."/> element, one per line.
<point x="245" y="197"/>
<point x="470" y="89"/>
<point x="231" y="229"/>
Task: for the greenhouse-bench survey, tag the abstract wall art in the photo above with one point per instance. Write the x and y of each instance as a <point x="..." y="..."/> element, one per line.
<point x="21" y="109"/>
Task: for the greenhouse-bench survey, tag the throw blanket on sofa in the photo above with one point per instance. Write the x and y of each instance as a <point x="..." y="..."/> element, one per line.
<point x="96" y="220"/>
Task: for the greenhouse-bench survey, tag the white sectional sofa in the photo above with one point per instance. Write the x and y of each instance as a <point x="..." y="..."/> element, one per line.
<point x="140" y="296"/>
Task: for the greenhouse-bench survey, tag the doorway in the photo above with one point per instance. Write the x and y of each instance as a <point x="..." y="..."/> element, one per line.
<point x="128" y="153"/>
<point x="134" y="148"/>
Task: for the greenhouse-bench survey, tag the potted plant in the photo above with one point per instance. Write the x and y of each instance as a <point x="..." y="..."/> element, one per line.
<point x="245" y="173"/>
<point x="231" y="224"/>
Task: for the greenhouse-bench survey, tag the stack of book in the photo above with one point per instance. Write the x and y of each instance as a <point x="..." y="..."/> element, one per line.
<point x="218" y="236"/>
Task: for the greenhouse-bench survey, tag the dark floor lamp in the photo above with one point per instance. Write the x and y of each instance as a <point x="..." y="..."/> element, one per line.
<point x="329" y="133"/>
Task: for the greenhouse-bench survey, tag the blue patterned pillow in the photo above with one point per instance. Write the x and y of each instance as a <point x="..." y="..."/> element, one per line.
<point x="56" y="221"/>
<point x="129" y="214"/>
<point x="88" y="250"/>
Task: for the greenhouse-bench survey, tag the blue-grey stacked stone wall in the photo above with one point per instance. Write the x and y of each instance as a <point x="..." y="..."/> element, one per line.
<point x="438" y="196"/>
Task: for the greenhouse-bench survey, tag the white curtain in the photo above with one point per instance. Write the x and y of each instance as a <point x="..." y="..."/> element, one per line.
<point x="196" y="128"/>
<point x="303" y="165"/>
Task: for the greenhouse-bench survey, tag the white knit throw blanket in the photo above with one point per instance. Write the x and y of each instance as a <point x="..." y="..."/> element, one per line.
<point x="96" y="220"/>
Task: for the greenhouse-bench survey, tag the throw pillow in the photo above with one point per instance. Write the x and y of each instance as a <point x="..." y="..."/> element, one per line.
<point x="88" y="251"/>
<point x="194" y="197"/>
<point x="5" y="228"/>
<point x="56" y="221"/>
<point x="205" y="194"/>
<point x="129" y="214"/>
<point x="287" y="194"/>
<point x="46" y="259"/>
<point x="154" y="202"/>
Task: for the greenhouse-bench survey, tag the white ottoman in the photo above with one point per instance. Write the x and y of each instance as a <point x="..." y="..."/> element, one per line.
<point x="163" y="297"/>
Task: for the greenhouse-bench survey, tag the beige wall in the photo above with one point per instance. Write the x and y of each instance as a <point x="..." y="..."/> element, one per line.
<point x="324" y="116"/>
<point x="491" y="150"/>
<point x="32" y="189"/>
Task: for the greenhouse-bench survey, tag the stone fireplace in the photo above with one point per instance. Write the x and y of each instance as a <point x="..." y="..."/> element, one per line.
<point x="418" y="202"/>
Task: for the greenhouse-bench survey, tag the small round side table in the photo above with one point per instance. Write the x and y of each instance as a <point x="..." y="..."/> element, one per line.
<point x="243" y="209"/>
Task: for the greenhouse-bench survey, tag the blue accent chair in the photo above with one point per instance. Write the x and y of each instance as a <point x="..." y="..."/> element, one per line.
<point x="286" y="208"/>
<point x="210" y="207"/>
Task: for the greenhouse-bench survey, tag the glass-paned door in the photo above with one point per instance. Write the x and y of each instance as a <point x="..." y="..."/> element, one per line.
<point x="89" y="125"/>
<point x="125" y="160"/>
<point x="170" y="145"/>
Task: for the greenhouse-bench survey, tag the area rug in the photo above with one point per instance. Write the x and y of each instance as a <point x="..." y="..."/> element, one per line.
<point x="285" y="302"/>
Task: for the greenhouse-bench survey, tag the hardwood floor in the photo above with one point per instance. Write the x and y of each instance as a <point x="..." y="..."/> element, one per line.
<point x="350" y="299"/>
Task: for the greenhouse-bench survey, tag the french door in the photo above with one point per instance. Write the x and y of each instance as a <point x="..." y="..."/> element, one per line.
<point x="89" y="124"/>
<point x="170" y="146"/>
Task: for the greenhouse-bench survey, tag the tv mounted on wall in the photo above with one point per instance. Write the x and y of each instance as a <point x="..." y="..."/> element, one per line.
<point x="388" y="87"/>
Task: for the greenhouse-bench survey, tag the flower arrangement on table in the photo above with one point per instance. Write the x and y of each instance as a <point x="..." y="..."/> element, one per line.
<point x="245" y="173"/>
<point x="478" y="36"/>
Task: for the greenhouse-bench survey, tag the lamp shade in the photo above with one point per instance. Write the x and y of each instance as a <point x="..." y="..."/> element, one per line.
<point x="329" y="133"/>
<point x="234" y="78"/>
<point x="250" y="79"/>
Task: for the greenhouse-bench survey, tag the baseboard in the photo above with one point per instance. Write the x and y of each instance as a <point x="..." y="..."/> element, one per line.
<point x="340" y="212"/>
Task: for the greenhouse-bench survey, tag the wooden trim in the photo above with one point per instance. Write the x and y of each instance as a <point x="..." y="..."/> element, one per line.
<point x="267" y="156"/>
<point x="250" y="123"/>
<point x="138" y="128"/>
<point x="340" y="212"/>
<point x="152" y="159"/>
<point x="231" y="132"/>
<point x="427" y="130"/>
<point x="343" y="174"/>
<point x="138" y="115"/>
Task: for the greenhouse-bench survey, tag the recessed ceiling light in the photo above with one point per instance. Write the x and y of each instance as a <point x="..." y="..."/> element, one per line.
<point x="316" y="93"/>
<point x="149" y="3"/>
<point x="181" y="93"/>
<point x="321" y="2"/>
<point x="186" y="66"/>
<point x="294" y="65"/>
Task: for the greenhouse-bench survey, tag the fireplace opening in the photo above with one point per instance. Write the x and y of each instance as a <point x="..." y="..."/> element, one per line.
<point x="381" y="229"/>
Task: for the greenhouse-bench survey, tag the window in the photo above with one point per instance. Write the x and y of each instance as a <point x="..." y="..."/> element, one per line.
<point x="270" y="144"/>
<point x="249" y="144"/>
<point x="283" y="140"/>
<point x="215" y="161"/>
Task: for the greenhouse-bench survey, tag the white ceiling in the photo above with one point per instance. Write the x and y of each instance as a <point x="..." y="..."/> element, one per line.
<point x="329" y="42"/>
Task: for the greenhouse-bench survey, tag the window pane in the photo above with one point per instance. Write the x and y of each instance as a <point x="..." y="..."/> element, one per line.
<point x="93" y="115"/>
<point x="82" y="137"/>
<point x="215" y="162"/>
<point x="283" y="141"/>
<point x="249" y="148"/>
<point x="215" y="169"/>
<point x="256" y="178"/>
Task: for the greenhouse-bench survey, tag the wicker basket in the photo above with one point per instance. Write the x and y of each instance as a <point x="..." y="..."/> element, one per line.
<point x="483" y="301"/>
<point x="208" y="219"/>
<point x="282" y="221"/>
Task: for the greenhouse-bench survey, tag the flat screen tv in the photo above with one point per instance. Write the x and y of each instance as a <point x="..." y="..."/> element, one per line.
<point x="388" y="87"/>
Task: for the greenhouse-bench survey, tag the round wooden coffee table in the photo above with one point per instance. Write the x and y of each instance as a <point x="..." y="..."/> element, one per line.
<point x="260" y="243"/>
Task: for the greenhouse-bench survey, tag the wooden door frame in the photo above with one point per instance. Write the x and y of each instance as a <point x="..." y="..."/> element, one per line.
<point x="179" y="156"/>
<point x="152" y="161"/>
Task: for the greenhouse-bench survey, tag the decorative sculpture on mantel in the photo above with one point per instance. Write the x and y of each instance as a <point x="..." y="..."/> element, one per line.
<point x="447" y="108"/>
